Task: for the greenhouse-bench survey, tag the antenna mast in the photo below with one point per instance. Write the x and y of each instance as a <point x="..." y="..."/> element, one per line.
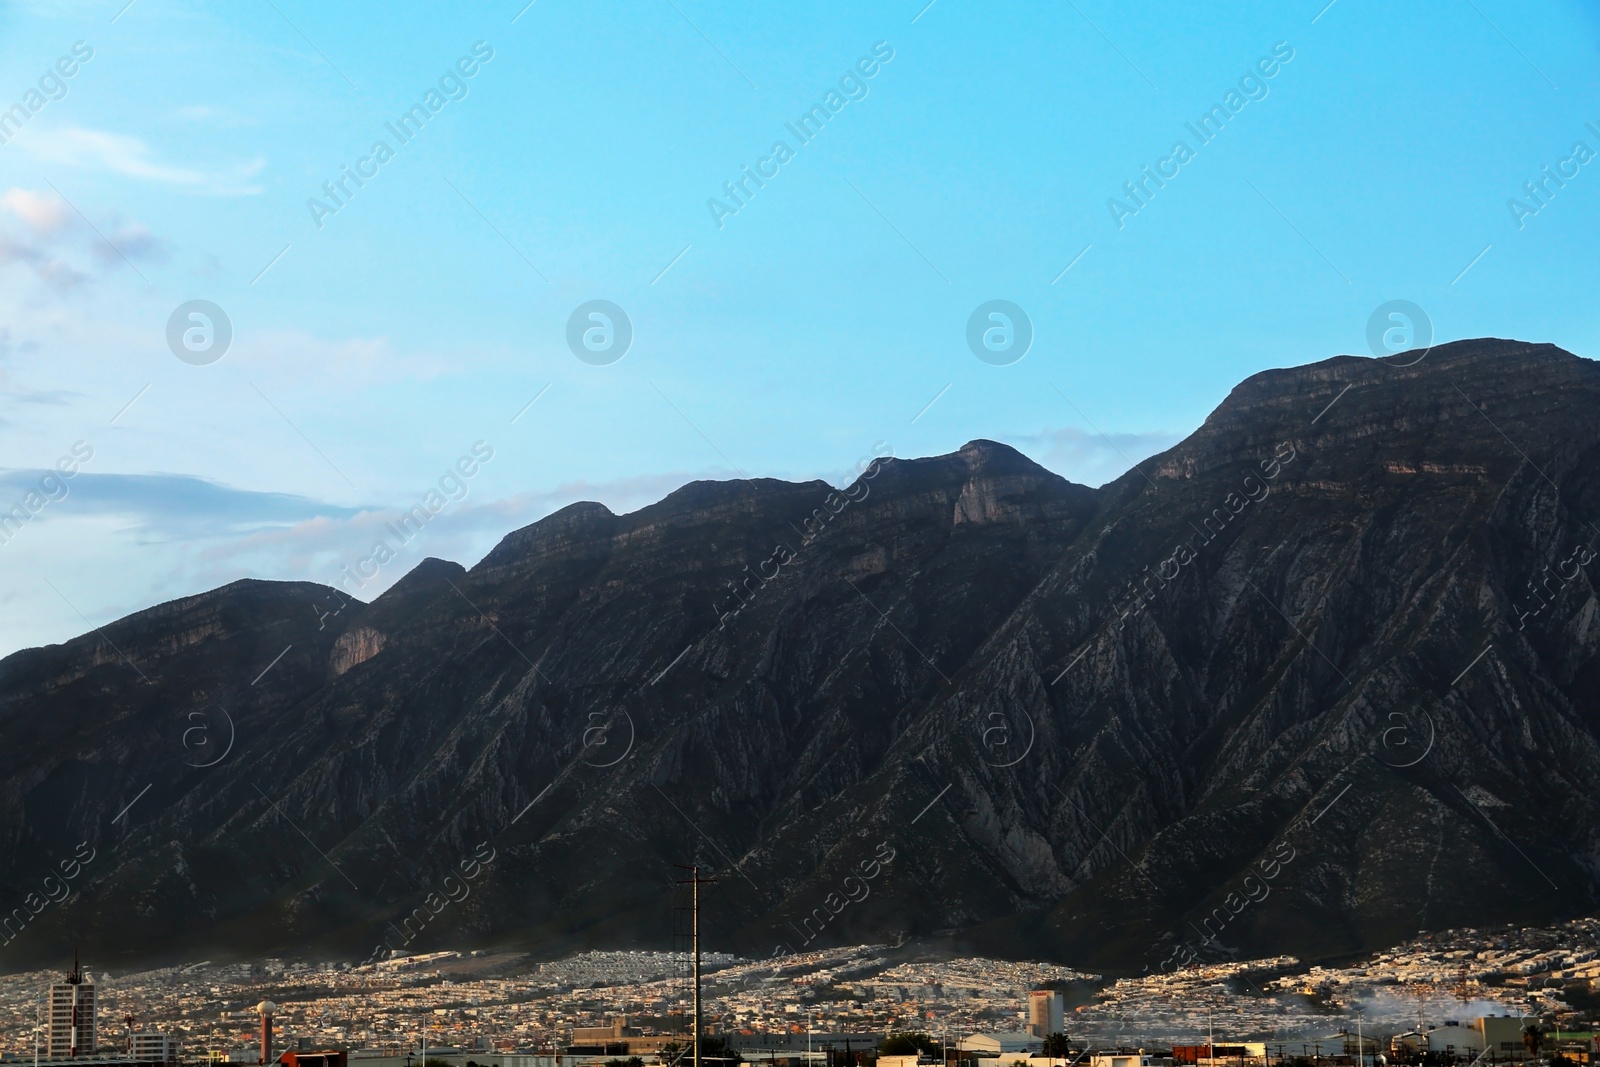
<point x="694" y="881"/>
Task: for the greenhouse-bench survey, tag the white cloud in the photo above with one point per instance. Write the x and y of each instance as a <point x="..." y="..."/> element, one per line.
<point x="45" y="234"/>
<point x="130" y="157"/>
<point x="116" y="152"/>
<point x="45" y="227"/>
<point x="43" y="214"/>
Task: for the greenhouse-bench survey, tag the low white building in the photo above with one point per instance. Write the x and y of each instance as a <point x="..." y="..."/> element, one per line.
<point x="999" y="1044"/>
<point x="153" y="1047"/>
<point x="908" y="1060"/>
<point x="1453" y="1037"/>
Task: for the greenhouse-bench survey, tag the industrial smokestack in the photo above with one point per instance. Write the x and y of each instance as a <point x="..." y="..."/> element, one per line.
<point x="266" y="1009"/>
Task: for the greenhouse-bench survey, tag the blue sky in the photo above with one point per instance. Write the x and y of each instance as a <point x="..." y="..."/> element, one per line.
<point x="373" y="346"/>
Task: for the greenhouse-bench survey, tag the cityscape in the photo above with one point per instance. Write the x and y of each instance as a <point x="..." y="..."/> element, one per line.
<point x="1466" y="995"/>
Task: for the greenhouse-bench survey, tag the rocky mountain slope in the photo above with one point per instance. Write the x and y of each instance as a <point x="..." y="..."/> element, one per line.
<point x="1322" y="675"/>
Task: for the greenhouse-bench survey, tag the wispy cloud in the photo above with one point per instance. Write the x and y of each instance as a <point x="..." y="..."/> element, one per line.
<point x="133" y="240"/>
<point x="119" y="153"/>
<point x="40" y="230"/>
<point x="308" y="549"/>
<point x="204" y="533"/>
<point x="130" y="157"/>
<point x="176" y="506"/>
<point x="51" y="397"/>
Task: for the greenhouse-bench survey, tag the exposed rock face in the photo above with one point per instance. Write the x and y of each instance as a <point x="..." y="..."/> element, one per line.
<point x="355" y="647"/>
<point x="1315" y="678"/>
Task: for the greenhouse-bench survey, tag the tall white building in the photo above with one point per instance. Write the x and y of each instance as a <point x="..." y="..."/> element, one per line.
<point x="71" y="1031"/>
<point x="1046" y="1008"/>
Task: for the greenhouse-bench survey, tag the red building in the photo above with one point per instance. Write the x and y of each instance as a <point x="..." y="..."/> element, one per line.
<point x="315" y="1059"/>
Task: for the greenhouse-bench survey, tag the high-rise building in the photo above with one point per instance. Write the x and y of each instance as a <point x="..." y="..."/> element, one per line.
<point x="72" y="1017"/>
<point x="1046" y="1009"/>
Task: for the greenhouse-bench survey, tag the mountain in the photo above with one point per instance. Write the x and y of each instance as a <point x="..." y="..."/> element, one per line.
<point x="1324" y="674"/>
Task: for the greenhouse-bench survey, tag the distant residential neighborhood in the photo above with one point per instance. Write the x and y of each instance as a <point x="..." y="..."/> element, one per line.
<point x="1516" y="994"/>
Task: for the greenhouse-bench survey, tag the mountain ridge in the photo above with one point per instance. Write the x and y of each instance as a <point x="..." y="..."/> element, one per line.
<point x="1070" y="736"/>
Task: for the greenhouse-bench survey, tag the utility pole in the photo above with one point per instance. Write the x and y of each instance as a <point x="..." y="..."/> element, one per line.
<point x="694" y="881"/>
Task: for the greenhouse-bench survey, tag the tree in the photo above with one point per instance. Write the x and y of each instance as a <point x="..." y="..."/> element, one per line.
<point x="712" y="1047"/>
<point x="1055" y="1046"/>
<point x="1532" y="1036"/>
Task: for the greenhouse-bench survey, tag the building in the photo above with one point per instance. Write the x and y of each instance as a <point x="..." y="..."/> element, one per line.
<point x="796" y="1048"/>
<point x="267" y="1010"/>
<point x="602" y="1035"/>
<point x="909" y="1060"/>
<point x="1579" y="1046"/>
<point x="1045" y="1010"/>
<point x="619" y="1039"/>
<point x="1236" y="1054"/>
<point x="1502" y="1034"/>
<point x="985" y="1046"/>
<point x="1124" y="1059"/>
<point x="152" y="1048"/>
<point x="1453" y="1037"/>
<point x="72" y="1031"/>
<point x="315" y="1059"/>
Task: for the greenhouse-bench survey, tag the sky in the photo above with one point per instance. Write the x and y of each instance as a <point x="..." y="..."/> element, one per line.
<point x="272" y="273"/>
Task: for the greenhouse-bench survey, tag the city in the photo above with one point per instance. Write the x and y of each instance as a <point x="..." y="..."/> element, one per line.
<point x="1458" y="996"/>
